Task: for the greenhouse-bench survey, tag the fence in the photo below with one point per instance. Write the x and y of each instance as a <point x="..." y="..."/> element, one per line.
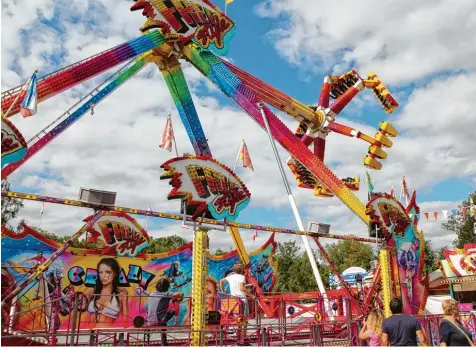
<point x="292" y="319"/>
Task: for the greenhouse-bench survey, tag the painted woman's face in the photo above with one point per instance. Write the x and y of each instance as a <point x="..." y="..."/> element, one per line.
<point x="106" y="274"/>
<point x="211" y="293"/>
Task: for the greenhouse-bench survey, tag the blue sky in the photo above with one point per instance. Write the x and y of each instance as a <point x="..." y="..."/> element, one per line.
<point x="290" y="45"/>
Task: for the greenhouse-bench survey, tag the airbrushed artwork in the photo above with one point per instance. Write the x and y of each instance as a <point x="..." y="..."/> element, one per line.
<point x="462" y="261"/>
<point x="113" y="289"/>
<point x="207" y="186"/>
<point x="399" y="226"/>
<point x="14" y="145"/>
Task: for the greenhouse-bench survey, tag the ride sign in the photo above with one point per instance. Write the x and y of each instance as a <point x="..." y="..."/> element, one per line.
<point x="206" y="185"/>
<point x="14" y="146"/>
<point x="118" y="234"/>
<point x="199" y="21"/>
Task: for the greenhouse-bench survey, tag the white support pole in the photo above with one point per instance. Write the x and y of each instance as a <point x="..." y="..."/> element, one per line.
<point x="305" y="241"/>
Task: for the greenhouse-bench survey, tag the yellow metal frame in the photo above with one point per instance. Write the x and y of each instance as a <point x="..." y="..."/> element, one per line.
<point x="199" y="280"/>
<point x="384" y="256"/>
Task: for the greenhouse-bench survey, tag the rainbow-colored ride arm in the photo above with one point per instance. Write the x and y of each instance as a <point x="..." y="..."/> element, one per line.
<point x="177" y="84"/>
<point x="319" y="121"/>
<point x="276" y="98"/>
<point x="82" y="71"/>
<point x="214" y="69"/>
<point x="124" y="74"/>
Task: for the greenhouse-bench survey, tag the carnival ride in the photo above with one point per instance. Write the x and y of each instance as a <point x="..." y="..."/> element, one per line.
<point x="196" y="32"/>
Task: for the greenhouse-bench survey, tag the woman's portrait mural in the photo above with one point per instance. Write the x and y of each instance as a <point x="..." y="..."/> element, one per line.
<point x="112" y="290"/>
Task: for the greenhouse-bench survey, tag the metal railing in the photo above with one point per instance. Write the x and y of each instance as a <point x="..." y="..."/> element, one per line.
<point x="294" y="322"/>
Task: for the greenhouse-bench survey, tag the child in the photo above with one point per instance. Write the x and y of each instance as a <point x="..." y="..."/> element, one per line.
<point x="372" y="329"/>
<point x="174" y="307"/>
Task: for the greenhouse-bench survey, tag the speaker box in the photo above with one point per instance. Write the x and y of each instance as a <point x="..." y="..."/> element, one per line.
<point x="320" y="228"/>
<point x="97" y="197"/>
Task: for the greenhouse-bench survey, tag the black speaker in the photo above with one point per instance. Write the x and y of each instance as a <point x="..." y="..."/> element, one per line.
<point x="373" y="229"/>
<point x="213" y="317"/>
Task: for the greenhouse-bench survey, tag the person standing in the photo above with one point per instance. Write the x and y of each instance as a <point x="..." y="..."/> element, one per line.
<point x="158" y="313"/>
<point x="237" y="282"/>
<point x="452" y="332"/>
<point x="401" y="329"/>
<point x="372" y="329"/>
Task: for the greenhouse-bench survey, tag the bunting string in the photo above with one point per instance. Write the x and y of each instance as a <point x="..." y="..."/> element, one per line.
<point x="445" y="214"/>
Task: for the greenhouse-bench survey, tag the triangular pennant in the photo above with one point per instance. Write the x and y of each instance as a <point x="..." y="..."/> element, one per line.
<point x="445" y="214"/>
<point x="245" y="156"/>
<point x="463" y="211"/>
<point x="454" y="211"/>
<point x="426" y="215"/>
<point x="436" y="215"/>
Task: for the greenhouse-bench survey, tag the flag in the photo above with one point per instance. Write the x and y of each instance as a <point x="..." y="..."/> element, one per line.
<point x="245" y="156"/>
<point x="369" y="180"/>
<point x="42" y="208"/>
<point x="255" y="235"/>
<point x="227" y="2"/>
<point x="404" y="192"/>
<point x="29" y="104"/>
<point x="147" y="218"/>
<point x="168" y="135"/>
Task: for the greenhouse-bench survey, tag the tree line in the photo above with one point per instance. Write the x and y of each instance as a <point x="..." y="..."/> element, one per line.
<point x="294" y="270"/>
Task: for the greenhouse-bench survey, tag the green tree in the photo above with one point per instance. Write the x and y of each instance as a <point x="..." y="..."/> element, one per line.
<point x="62" y="239"/>
<point x="441" y="253"/>
<point x="295" y="271"/>
<point x="10" y="206"/>
<point x="430" y="258"/>
<point x="285" y="257"/>
<point x="220" y="251"/>
<point x="164" y="244"/>
<point x="463" y="226"/>
<point x="347" y="253"/>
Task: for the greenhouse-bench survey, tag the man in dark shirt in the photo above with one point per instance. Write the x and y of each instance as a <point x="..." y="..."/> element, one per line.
<point x="401" y="329"/>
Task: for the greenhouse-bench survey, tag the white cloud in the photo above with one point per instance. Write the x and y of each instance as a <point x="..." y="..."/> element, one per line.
<point x="117" y="147"/>
<point x="402" y="41"/>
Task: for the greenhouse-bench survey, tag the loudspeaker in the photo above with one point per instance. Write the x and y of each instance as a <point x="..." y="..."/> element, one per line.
<point x="320" y="228"/>
<point x="97" y="197"/>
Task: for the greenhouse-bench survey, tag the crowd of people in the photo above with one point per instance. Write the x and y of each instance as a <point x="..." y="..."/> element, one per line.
<point x="405" y="330"/>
